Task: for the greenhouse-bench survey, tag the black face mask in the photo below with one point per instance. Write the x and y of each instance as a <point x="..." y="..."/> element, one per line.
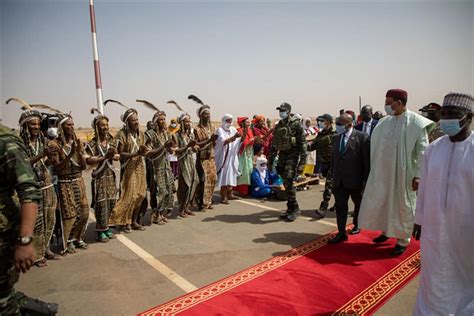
<point x="366" y="117"/>
<point x="433" y="116"/>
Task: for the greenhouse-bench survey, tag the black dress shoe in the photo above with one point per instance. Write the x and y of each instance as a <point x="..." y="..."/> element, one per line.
<point x="337" y="239"/>
<point x="398" y="250"/>
<point x="354" y="231"/>
<point x="381" y="238"/>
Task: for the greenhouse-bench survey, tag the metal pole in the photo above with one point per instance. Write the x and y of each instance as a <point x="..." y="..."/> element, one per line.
<point x="98" y="80"/>
<point x="360" y="104"/>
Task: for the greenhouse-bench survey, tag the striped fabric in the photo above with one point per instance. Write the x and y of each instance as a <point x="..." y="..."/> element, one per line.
<point x="459" y="100"/>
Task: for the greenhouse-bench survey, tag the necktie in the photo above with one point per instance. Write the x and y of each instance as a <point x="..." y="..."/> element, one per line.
<point x="342" y="147"/>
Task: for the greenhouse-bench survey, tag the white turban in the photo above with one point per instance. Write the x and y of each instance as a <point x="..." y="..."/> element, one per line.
<point x="261" y="169"/>
<point x="227" y="117"/>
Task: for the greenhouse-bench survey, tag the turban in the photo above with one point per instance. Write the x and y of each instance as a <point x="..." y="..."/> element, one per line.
<point x="398" y="94"/>
<point x="258" y="118"/>
<point x="28" y="115"/>
<point x="459" y="100"/>
<point x="227" y="117"/>
<point x="241" y="120"/>
<point x="261" y="160"/>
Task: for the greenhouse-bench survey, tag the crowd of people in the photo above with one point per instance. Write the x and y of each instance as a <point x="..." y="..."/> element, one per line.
<point x="379" y="162"/>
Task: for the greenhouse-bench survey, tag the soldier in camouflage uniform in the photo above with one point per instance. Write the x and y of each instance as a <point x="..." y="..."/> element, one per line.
<point x="16" y="227"/>
<point x="432" y="111"/>
<point x="289" y="143"/>
<point x="322" y="144"/>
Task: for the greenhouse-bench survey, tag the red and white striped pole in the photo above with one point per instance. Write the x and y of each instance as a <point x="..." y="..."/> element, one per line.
<point x="98" y="80"/>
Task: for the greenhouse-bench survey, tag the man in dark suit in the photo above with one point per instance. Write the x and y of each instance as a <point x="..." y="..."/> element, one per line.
<point x="368" y="123"/>
<point x="351" y="164"/>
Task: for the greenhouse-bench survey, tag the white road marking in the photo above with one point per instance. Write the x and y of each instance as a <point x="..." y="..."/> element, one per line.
<point x="322" y="221"/>
<point x="178" y="280"/>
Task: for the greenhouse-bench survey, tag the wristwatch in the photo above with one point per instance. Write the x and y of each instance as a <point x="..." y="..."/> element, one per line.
<point x="25" y="240"/>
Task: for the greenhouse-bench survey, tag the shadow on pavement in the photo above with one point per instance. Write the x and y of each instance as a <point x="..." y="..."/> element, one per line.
<point x="293" y="239"/>
<point x="314" y="218"/>
<point x="264" y="217"/>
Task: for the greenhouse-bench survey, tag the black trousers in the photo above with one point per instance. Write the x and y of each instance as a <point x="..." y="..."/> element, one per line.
<point x="342" y="195"/>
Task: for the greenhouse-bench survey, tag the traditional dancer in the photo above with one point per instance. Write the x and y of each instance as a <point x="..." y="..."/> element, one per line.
<point x="101" y="154"/>
<point x="71" y="187"/>
<point x="205" y="136"/>
<point x="161" y="141"/>
<point x="39" y="154"/>
<point x="188" y="176"/>
<point x="130" y="142"/>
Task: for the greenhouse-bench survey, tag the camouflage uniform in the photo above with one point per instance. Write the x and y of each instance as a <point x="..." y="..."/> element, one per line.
<point x="435" y="134"/>
<point x="18" y="176"/>
<point x="322" y="143"/>
<point x="289" y="160"/>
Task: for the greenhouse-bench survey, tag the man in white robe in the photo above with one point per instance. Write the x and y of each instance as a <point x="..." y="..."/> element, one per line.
<point x="397" y="146"/>
<point x="445" y="215"/>
<point x="227" y="157"/>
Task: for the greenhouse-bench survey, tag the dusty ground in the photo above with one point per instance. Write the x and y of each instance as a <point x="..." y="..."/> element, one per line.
<point x="111" y="279"/>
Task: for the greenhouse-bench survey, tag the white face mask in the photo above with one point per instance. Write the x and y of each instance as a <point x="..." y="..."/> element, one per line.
<point x="321" y="125"/>
<point x="227" y="126"/>
<point x="53" y="132"/>
<point x="173" y="125"/>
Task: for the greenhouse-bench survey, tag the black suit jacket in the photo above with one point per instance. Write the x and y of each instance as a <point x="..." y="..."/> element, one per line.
<point x="351" y="168"/>
<point x="360" y="126"/>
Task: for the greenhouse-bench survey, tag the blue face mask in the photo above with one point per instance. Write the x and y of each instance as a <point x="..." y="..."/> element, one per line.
<point x="283" y="115"/>
<point x="451" y="127"/>
<point x="389" y="110"/>
<point x="340" y="129"/>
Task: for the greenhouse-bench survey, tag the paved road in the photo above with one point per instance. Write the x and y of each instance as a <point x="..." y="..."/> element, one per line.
<point x="140" y="270"/>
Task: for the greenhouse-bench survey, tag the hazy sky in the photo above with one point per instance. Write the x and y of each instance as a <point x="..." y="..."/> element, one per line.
<point x="240" y="58"/>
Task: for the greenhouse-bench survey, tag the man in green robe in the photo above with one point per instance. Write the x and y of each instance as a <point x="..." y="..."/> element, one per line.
<point x="397" y="146"/>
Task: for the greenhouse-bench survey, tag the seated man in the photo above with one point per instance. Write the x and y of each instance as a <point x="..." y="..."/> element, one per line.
<point x="263" y="182"/>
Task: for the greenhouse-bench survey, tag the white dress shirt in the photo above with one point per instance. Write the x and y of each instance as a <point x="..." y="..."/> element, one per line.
<point x="367" y="127"/>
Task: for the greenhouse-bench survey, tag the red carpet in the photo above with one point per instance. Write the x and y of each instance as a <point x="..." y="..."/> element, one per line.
<point x="352" y="278"/>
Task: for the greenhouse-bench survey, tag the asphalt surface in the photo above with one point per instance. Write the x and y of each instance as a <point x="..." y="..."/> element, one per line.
<point x="138" y="271"/>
